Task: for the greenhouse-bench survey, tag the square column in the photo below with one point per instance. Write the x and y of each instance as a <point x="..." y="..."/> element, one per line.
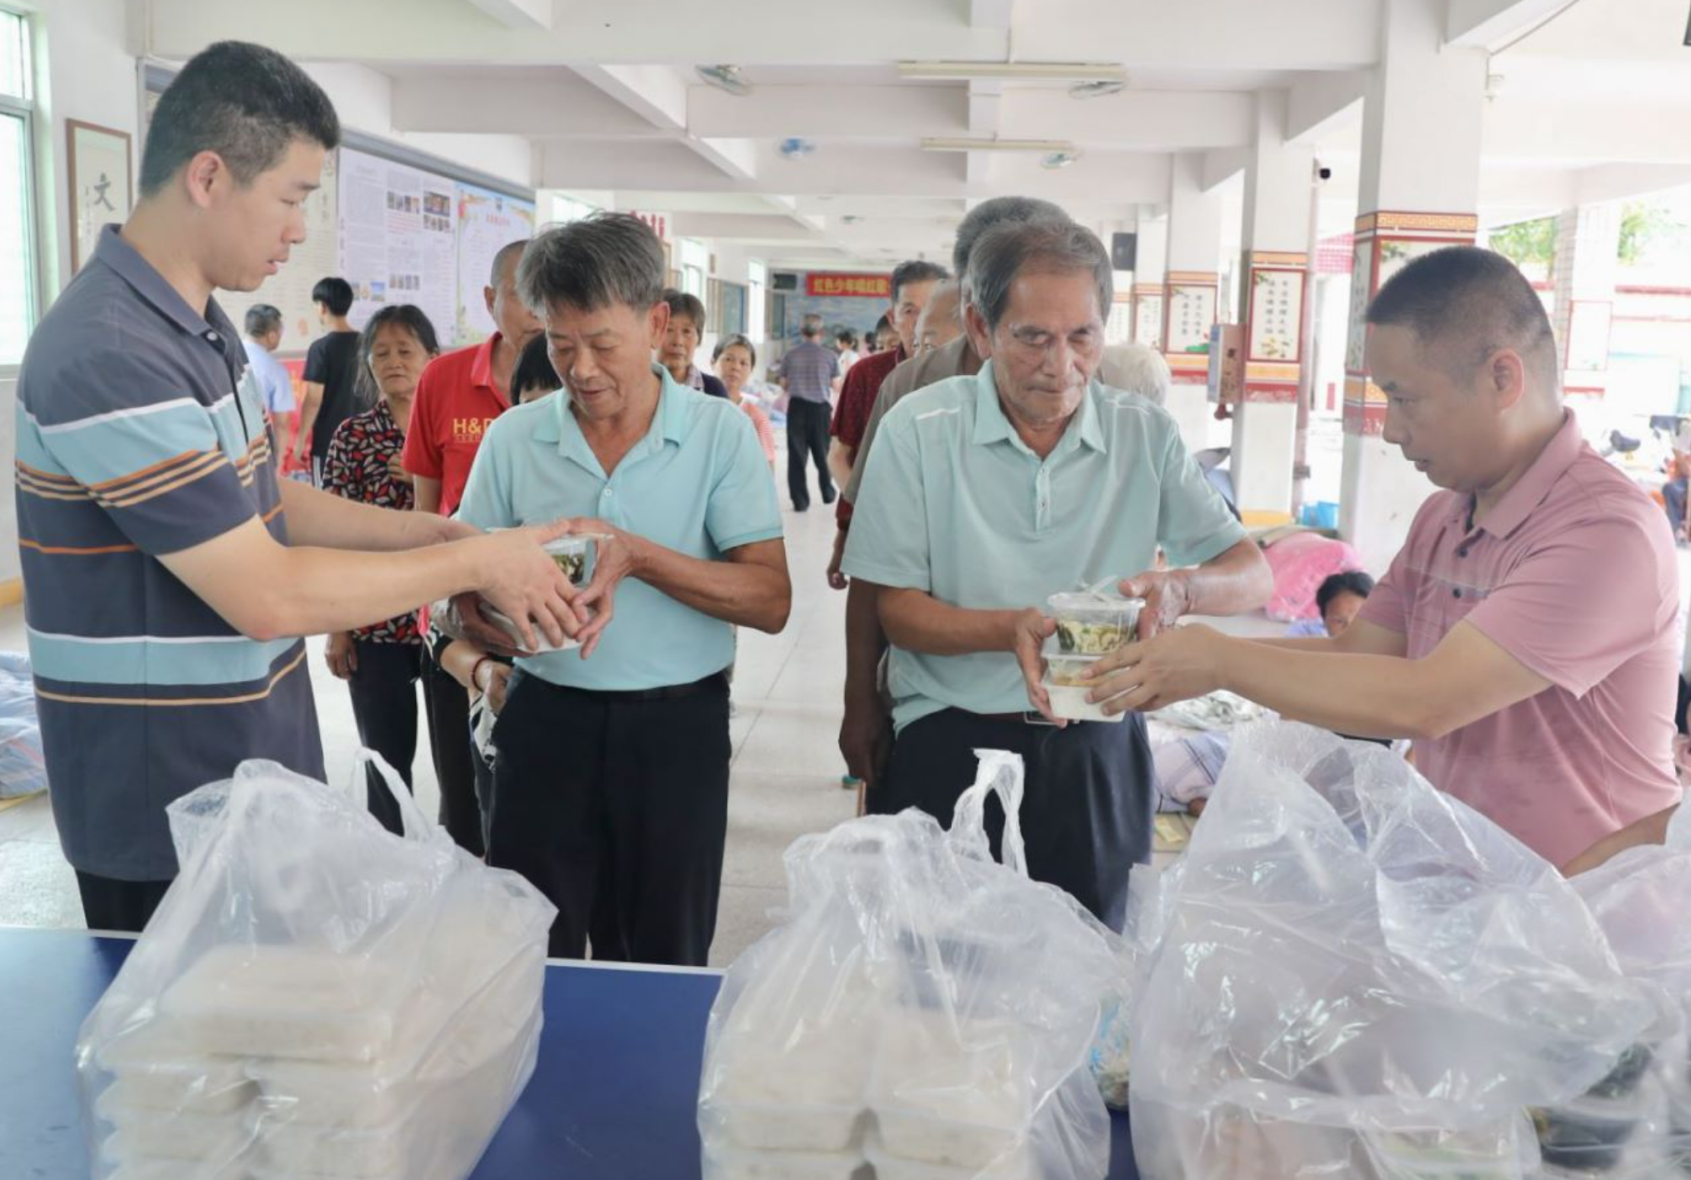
<point x="1278" y="190"/>
<point x="1419" y="191"/>
<point x="1588" y="243"/>
<point x="1191" y="294"/>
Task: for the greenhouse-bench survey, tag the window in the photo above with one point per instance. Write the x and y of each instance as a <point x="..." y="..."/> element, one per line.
<point x="756" y="277"/>
<point x="695" y="260"/>
<point x="17" y="222"/>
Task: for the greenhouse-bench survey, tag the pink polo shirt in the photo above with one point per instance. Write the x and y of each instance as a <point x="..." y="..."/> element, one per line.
<point x="1574" y="574"/>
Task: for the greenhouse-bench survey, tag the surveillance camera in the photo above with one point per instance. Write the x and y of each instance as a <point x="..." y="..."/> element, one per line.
<point x="1324" y="172"/>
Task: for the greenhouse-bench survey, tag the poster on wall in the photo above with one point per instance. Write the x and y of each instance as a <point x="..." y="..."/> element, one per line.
<point x="1276" y="314"/>
<point x="486" y="220"/>
<point x="100" y="184"/>
<point x="396" y="237"/>
<point x="1361" y="291"/>
<point x="1191" y="313"/>
<point x="289" y="289"/>
<point x="1148" y="326"/>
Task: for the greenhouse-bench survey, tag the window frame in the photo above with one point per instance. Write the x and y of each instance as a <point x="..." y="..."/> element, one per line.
<point x="24" y="109"/>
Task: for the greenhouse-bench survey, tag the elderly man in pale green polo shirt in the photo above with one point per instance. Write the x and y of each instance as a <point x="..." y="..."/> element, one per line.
<point x="987" y="494"/>
<point x="610" y="781"/>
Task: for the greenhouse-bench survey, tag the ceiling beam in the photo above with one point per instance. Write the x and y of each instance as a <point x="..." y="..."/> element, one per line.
<point x="821" y="112"/>
<point x="990" y="14"/>
<point x="1142" y="120"/>
<point x="1223" y="164"/>
<point x="1320" y="104"/>
<point x="556" y="103"/>
<point x="1490" y="24"/>
<point x="1205" y="34"/>
<point x="518" y="14"/>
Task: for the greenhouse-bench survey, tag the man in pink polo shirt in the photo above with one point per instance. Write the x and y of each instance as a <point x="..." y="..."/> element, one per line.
<point x="1525" y="636"/>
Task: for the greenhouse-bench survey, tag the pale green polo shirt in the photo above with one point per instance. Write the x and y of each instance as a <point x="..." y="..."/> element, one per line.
<point x="697" y="483"/>
<point x="954" y="503"/>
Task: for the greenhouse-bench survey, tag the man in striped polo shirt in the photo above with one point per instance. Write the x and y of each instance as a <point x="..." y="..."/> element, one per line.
<point x="168" y="572"/>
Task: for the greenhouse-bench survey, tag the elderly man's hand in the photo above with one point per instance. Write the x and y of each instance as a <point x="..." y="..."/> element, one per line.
<point x="616" y="557"/>
<point x="1176" y="665"/>
<point x="1030" y="630"/>
<point x="1166" y="599"/>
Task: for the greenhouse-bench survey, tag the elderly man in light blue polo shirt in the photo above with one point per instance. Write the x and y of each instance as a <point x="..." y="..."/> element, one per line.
<point x="987" y="494"/>
<point x="610" y="786"/>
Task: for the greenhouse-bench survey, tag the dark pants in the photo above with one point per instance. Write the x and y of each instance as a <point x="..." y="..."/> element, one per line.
<point x="124" y="906"/>
<point x="616" y="808"/>
<point x="1090" y="796"/>
<point x="448" y="705"/>
<point x="807" y="434"/>
<point x="1673" y="495"/>
<point x="384" y="704"/>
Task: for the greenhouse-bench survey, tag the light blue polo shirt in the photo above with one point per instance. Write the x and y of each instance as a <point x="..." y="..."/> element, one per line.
<point x="697" y="483"/>
<point x="954" y="503"/>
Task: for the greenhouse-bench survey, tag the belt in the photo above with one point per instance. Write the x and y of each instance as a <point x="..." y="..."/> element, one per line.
<point x="670" y="692"/>
<point x="1025" y="717"/>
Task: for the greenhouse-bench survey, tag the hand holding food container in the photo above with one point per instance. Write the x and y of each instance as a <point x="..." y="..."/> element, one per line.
<point x="576" y="556"/>
<point x="1089" y="624"/>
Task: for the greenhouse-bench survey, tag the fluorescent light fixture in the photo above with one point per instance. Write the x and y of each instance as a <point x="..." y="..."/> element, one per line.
<point x="983" y="144"/>
<point x="1059" y="160"/>
<point x="1050" y="71"/>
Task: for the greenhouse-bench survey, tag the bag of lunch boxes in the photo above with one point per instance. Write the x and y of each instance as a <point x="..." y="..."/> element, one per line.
<point x="1357" y="975"/>
<point x="921" y="1008"/>
<point x="315" y="996"/>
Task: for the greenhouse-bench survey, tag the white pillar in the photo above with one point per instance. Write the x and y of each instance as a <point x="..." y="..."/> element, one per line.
<point x="1191" y="285"/>
<point x="1419" y="191"/>
<point x="1588" y="241"/>
<point x="1275" y="275"/>
<point x="1148" y="279"/>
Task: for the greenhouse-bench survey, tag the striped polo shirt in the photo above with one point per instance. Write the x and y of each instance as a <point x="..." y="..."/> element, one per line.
<point x="140" y="433"/>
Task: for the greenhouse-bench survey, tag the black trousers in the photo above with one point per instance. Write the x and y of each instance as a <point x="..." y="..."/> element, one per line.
<point x="124" y="906"/>
<point x="616" y="808"/>
<point x="807" y="434"/>
<point x="1087" y="811"/>
<point x="448" y="705"/>
<point x="384" y="704"/>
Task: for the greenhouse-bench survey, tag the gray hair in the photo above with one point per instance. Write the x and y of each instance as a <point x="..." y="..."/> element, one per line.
<point x="508" y="255"/>
<point x="947" y="289"/>
<point x="1006" y="250"/>
<point x="262" y="319"/>
<point x="1136" y="368"/>
<point x="996" y="212"/>
<point x="810" y="326"/>
<point x="600" y="261"/>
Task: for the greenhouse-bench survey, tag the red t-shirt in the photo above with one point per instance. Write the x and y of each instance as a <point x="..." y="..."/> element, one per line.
<point x="456" y="401"/>
<point x="857" y="401"/>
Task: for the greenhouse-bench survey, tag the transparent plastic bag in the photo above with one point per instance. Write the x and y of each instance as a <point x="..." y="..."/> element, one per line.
<point x="1636" y="1121"/>
<point x="921" y="1008"/>
<point x="315" y="996"/>
<point x="1354" y="974"/>
<point x="23" y="765"/>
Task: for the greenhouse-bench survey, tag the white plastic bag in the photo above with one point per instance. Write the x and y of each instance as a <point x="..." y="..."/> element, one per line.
<point x="921" y="1008"/>
<point x="1355" y="974"/>
<point x="315" y="996"/>
<point x="1636" y="1122"/>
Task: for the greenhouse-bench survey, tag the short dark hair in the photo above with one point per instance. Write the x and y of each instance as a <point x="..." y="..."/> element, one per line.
<point x="334" y="294"/>
<point x="1009" y="248"/>
<point x="734" y="341"/>
<point x="846" y="337"/>
<point x="507" y="255"/>
<point x="597" y="262"/>
<point x="1351" y="582"/>
<point x="534" y="370"/>
<point x="262" y="319"/>
<point x="883" y="324"/>
<point x="405" y="315"/>
<point x="1465" y="303"/>
<point x="682" y="303"/>
<point x="996" y="212"/>
<point x="242" y="101"/>
<point x="916" y="270"/>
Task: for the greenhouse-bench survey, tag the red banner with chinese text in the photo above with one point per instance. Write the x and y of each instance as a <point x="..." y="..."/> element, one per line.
<point x="868" y="286"/>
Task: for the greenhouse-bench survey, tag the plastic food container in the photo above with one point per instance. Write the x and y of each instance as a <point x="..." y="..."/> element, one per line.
<point x="541" y="647"/>
<point x="209" y="1085"/>
<point x="183" y="1142"/>
<point x="1481" y="1154"/>
<point x="576" y="555"/>
<point x="1068" y="692"/>
<point x="1590" y="1134"/>
<point x="947" y="1091"/>
<point x="1093" y="624"/>
<point x="274" y="1001"/>
<point x="786" y="1165"/>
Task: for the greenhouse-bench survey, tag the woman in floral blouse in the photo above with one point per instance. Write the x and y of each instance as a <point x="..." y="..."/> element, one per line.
<point x="381" y="664"/>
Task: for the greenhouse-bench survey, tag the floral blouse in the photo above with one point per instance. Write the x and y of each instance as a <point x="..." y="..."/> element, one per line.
<point x="356" y="468"/>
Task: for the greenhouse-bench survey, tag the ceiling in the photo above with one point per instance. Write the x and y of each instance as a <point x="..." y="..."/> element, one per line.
<point x="604" y="93"/>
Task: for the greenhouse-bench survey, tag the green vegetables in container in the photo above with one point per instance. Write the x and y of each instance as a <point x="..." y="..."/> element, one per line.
<point x="1090" y="623"/>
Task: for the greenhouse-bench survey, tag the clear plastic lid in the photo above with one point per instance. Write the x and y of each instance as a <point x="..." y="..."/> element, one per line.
<point x="1092" y="624"/>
